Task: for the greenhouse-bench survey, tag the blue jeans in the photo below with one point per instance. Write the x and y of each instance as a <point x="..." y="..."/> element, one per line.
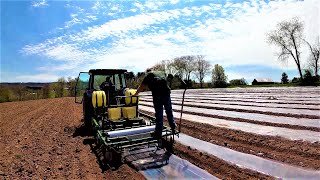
<point x="160" y="101"/>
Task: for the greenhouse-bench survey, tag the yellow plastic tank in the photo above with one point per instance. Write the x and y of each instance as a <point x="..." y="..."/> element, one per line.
<point x="99" y="99"/>
<point x="114" y="113"/>
<point x="129" y="112"/>
<point x="130" y="92"/>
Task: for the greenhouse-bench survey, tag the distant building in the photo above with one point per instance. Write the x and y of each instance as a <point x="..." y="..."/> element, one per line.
<point x="261" y="81"/>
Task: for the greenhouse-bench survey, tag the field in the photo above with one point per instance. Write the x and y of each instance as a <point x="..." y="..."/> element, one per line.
<point x="241" y="133"/>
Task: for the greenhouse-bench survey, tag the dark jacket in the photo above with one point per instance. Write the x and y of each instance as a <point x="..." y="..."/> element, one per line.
<point x="157" y="83"/>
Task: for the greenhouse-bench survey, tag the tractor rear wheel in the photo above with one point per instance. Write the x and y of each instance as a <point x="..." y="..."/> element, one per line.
<point x="87" y="114"/>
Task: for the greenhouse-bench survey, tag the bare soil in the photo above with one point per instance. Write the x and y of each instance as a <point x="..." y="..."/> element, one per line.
<point x="39" y="140"/>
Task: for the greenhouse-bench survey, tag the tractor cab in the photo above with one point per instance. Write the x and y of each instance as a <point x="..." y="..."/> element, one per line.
<point x="106" y="86"/>
<point x="112" y="81"/>
<point x="111" y="112"/>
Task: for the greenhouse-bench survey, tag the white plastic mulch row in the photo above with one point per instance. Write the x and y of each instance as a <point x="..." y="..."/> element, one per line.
<point x="259" y="97"/>
<point x="292" y="134"/>
<point x="246" y="104"/>
<point x="249" y="100"/>
<point x="176" y="168"/>
<point x="297" y="95"/>
<point x="291" y="90"/>
<point x="248" y="161"/>
<point x="256" y="95"/>
<point x="239" y="107"/>
<point x="249" y="116"/>
<point x="266" y="100"/>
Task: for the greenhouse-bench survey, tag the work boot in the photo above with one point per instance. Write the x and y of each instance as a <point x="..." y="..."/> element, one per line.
<point x="173" y="131"/>
<point x="160" y="144"/>
<point x="156" y="135"/>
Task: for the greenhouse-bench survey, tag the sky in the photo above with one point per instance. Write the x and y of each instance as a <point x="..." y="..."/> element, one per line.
<point x="44" y="40"/>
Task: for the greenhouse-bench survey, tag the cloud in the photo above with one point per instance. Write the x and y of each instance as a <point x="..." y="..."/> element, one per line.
<point x="228" y="34"/>
<point x="174" y="1"/>
<point x="152" y="5"/>
<point x="97" y="5"/>
<point x="74" y="20"/>
<point x="59" y="52"/>
<point x="36" y="78"/>
<point x="41" y="3"/>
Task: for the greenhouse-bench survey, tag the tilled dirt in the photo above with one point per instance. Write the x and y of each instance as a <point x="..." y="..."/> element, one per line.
<point x="39" y="140"/>
<point x="298" y="153"/>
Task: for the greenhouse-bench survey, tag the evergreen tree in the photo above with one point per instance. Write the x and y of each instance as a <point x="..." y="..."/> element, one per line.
<point x="284" y="79"/>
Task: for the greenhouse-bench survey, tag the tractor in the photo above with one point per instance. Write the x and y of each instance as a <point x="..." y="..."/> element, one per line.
<point x="112" y="114"/>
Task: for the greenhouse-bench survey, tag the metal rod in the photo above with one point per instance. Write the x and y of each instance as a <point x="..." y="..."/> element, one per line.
<point x="184" y="92"/>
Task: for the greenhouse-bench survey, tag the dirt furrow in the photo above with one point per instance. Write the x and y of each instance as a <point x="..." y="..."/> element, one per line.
<point x="45" y="145"/>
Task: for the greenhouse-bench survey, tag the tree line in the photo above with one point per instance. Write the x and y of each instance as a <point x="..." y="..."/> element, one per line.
<point x="192" y="69"/>
<point x="20" y="92"/>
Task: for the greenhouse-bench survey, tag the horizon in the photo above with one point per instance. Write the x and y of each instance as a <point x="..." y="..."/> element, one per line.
<point x="45" y="40"/>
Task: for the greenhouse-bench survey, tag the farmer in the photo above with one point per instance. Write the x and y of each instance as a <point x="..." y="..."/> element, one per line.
<point x="106" y="84"/>
<point x="156" y="81"/>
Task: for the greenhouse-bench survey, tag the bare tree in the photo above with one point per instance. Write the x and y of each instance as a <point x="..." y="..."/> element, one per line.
<point x="161" y="66"/>
<point x="183" y="66"/>
<point x="288" y="37"/>
<point x="202" y="68"/>
<point x="189" y="66"/>
<point x="314" y="56"/>
<point x="170" y="67"/>
<point x="179" y="65"/>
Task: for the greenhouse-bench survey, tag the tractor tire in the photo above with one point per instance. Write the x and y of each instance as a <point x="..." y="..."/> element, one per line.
<point x="112" y="157"/>
<point x="87" y="114"/>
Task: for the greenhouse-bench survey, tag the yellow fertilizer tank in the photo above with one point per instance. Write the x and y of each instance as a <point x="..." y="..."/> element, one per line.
<point x="128" y="93"/>
<point x="99" y="99"/>
<point x="114" y="113"/>
<point x="129" y="112"/>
